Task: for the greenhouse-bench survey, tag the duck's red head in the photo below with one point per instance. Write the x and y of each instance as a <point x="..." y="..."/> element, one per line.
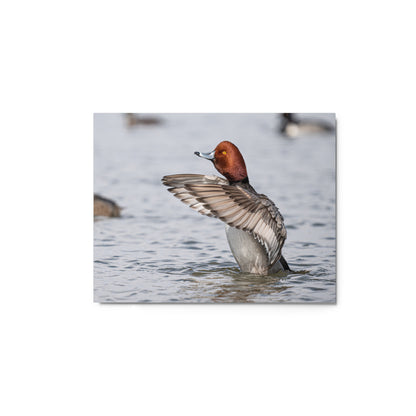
<point x="228" y="161"/>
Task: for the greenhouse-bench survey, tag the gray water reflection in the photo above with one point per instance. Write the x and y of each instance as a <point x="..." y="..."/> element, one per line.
<point x="159" y="250"/>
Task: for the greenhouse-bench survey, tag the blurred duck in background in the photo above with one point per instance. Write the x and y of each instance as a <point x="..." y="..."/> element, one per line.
<point x="134" y="119"/>
<point x="291" y="126"/>
<point x="104" y="207"/>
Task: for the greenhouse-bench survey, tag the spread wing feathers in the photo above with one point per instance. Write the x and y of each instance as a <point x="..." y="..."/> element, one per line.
<point x="236" y="206"/>
<point x="177" y="185"/>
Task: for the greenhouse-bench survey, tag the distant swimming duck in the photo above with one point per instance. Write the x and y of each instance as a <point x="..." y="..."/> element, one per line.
<point x="105" y="207"/>
<point x="254" y="226"/>
<point x="291" y="126"/>
<point x="134" y="119"/>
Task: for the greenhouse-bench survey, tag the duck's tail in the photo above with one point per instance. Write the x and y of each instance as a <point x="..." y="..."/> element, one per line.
<point x="284" y="264"/>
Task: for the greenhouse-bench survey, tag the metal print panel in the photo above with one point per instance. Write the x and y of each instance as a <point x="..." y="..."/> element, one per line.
<point x="215" y="208"/>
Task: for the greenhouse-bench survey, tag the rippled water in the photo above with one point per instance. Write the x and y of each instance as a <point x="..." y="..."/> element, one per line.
<point x="160" y="250"/>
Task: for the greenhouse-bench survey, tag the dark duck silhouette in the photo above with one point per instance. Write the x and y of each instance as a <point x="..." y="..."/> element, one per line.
<point x="292" y="126"/>
<point x="134" y="119"/>
<point x="104" y="207"/>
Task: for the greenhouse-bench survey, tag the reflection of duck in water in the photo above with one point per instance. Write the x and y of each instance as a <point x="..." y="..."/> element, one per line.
<point x="134" y="119"/>
<point x="249" y="288"/>
<point x="104" y="207"/>
<point x="291" y="126"/>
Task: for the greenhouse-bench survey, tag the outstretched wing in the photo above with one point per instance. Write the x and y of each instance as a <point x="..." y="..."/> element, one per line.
<point x="237" y="205"/>
<point x="178" y="185"/>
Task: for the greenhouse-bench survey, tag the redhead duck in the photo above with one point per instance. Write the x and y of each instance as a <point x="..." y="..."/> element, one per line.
<point x="105" y="207"/>
<point x="253" y="224"/>
<point x="291" y="126"/>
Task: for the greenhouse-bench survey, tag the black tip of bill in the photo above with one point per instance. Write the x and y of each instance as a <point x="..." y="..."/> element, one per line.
<point x="209" y="156"/>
